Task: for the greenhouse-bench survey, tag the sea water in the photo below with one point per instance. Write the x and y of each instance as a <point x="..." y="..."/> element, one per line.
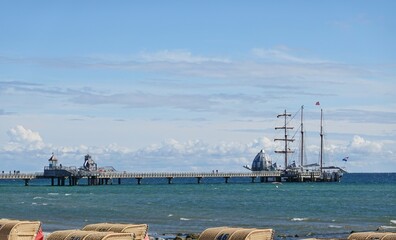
<point x="360" y="202"/>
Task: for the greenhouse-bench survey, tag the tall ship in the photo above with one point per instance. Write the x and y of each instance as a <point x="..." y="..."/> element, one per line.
<point x="300" y="170"/>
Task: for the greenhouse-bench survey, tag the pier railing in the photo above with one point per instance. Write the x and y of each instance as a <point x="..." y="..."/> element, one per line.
<point x="97" y="177"/>
<point x="162" y="174"/>
<point x="18" y="175"/>
<point x="187" y="174"/>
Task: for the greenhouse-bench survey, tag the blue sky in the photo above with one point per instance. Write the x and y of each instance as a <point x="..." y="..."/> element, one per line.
<point x="194" y="85"/>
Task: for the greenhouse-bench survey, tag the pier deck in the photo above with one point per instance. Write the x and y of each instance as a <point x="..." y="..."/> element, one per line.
<point x="104" y="178"/>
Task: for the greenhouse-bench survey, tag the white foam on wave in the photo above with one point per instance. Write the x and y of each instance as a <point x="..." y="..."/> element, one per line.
<point x="53" y="194"/>
<point x="37" y="197"/>
<point x="393" y="221"/>
<point x="67" y="194"/>
<point x="39" y="204"/>
<point x="335" y="226"/>
<point x="387" y="228"/>
<point x="185" y="219"/>
<point x="299" y="219"/>
<point x="170" y="215"/>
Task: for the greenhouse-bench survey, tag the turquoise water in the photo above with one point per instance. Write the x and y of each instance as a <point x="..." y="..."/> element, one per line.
<point x="359" y="202"/>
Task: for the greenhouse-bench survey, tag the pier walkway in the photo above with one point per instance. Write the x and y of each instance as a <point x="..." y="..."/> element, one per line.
<point x="105" y="178"/>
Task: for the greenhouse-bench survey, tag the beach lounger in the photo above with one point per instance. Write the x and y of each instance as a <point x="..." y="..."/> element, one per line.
<point x="88" y="235"/>
<point x="139" y="230"/>
<point x="19" y="230"/>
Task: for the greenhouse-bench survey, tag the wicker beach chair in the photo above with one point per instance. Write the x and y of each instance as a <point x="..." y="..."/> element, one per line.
<point x="360" y="235"/>
<point x="210" y="233"/>
<point x="109" y="236"/>
<point x="253" y="234"/>
<point x="88" y="235"/>
<point x="139" y="230"/>
<point x="376" y="236"/>
<point x="389" y="236"/>
<point x="18" y="230"/>
<point x="226" y="233"/>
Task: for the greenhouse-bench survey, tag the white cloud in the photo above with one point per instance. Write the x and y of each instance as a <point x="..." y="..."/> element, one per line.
<point x="177" y="56"/>
<point x="24" y="138"/>
<point x="26" y="148"/>
<point x="282" y="54"/>
<point x="359" y="144"/>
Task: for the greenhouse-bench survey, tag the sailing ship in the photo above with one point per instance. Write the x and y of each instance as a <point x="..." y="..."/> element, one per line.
<point x="292" y="171"/>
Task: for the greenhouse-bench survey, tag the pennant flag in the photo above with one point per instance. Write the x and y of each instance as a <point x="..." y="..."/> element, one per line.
<point x="317" y="103"/>
<point x="345" y="159"/>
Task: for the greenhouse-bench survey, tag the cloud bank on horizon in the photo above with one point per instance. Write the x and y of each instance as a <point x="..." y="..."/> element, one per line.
<point x="181" y="88"/>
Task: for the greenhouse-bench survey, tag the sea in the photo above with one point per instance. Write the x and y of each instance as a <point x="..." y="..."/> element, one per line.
<point x="359" y="202"/>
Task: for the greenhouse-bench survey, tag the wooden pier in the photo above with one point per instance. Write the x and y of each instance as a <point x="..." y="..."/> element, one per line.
<point x="61" y="177"/>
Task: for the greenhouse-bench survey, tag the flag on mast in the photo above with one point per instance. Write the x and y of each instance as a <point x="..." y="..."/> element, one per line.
<point x="317" y="103"/>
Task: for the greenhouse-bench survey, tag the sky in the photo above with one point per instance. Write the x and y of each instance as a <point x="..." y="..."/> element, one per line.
<point x="169" y="86"/>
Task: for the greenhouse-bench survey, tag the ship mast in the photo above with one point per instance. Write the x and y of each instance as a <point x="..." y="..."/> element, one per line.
<point x="302" y="137"/>
<point x="321" y="140"/>
<point x="286" y="139"/>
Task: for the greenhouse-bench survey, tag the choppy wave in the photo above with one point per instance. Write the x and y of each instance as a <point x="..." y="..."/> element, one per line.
<point x="327" y="211"/>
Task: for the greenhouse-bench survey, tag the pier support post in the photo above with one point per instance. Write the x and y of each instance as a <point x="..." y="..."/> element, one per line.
<point x="226" y="179"/>
<point x="263" y="179"/>
<point x="26" y="182"/>
<point x="170" y="180"/>
<point x="139" y="181"/>
<point x="253" y="178"/>
<point x="119" y="181"/>
<point x="61" y="181"/>
<point x="75" y="181"/>
<point x="52" y="181"/>
<point x="199" y="180"/>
